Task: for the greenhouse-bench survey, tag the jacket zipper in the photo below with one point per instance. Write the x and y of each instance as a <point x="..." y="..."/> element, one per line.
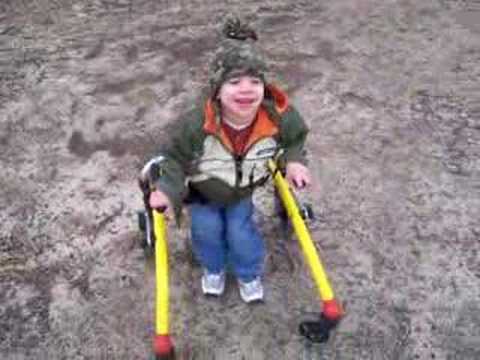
<point x="238" y="159"/>
<point x="238" y="170"/>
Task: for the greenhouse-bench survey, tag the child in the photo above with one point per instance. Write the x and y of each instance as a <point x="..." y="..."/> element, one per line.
<point x="221" y="150"/>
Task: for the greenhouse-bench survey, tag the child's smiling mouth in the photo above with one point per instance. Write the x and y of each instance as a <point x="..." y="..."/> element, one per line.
<point x="245" y="101"/>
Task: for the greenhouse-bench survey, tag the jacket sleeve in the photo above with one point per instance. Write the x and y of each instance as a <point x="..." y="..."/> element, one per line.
<point x="293" y="133"/>
<point x="178" y="153"/>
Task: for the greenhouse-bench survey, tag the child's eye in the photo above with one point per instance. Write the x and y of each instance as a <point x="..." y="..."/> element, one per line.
<point x="234" y="81"/>
<point x="256" y="81"/>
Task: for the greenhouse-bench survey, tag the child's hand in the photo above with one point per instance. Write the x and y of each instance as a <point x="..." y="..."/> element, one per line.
<point x="158" y="200"/>
<point x="298" y="175"/>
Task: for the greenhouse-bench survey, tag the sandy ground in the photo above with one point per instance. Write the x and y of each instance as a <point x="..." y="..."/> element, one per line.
<point x="391" y="92"/>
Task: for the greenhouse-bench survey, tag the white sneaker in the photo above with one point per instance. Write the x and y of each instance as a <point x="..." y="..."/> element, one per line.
<point x="213" y="284"/>
<point x="251" y="291"/>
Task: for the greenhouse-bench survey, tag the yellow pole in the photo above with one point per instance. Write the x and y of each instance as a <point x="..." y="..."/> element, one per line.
<point x="162" y="344"/>
<point x="161" y="274"/>
<point x="308" y="248"/>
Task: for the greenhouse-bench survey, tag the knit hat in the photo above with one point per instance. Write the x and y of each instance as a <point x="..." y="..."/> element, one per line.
<point x="236" y="55"/>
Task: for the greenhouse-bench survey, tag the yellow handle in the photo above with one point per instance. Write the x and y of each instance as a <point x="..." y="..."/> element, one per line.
<point x="303" y="235"/>
<point x="161" y="274"/>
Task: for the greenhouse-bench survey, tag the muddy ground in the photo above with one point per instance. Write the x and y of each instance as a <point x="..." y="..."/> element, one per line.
<point x="391" y="92"/>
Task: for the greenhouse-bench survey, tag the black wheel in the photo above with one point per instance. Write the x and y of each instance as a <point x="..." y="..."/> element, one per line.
<point x="306" y="211"/>
<point x="142" y="220"/>
<point x="142" y="225"/>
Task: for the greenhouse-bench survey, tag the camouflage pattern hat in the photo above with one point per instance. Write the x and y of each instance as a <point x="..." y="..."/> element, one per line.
<point x="236" y="55"/>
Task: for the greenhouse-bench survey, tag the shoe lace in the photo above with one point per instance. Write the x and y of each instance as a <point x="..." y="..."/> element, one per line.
<point x="252" y="287"/>
<point x="213" y="279"/>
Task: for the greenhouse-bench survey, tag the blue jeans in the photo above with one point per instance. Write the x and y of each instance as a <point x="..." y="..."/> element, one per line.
<point x="227" y="235"/>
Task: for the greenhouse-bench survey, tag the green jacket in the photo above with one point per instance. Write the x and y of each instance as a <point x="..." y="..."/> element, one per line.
<point x="199" y="156"/>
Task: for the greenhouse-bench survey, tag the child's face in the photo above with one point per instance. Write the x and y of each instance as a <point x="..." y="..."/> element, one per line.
<point x="240" y="98"/>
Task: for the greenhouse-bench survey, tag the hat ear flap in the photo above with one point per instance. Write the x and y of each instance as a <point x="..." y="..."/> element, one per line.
<point x="267" y="92"/>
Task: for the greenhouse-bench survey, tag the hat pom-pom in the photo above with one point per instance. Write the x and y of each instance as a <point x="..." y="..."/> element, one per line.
<point x="235" y="29"/>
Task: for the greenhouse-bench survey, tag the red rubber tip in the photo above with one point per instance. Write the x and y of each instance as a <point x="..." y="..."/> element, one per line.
<point x="162" y="345"/>
<point x="332" y="310"/>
